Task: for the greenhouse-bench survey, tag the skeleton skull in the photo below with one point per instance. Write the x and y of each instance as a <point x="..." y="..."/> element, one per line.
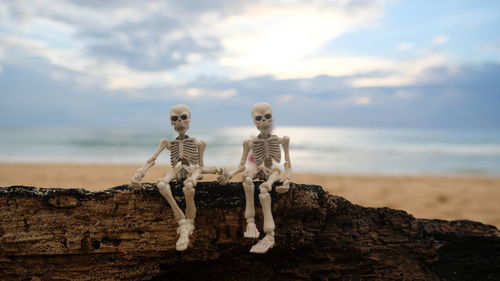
<point x="180" y="117"/>
<point x="262" y="116"/>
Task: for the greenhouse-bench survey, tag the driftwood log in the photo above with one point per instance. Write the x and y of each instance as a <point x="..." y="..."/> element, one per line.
<point x="121" y="234"/>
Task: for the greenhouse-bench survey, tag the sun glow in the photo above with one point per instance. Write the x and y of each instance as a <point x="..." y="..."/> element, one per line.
<point x="278" y="40"/>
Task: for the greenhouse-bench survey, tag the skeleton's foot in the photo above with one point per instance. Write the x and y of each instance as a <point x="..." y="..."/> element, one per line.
<point x="266" y="185"/>
<point x="184" y="230"/>
<point x="283" y="188"/>
<point x="136" y="185"/>
<point x="263" y="245"/>
<point x="251" y="231"/>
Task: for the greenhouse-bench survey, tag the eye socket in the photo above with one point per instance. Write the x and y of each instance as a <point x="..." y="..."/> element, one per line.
<point x="268" y="116"/>
<point x="184" y="117"/>
<point x="174" y="117"/>
<point x="258" y="118"/>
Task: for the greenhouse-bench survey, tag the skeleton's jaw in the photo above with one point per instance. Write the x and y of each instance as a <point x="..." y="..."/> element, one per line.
<point x="265" y="132"/>
<point x="181" y="129"/>
<point x="265" y="128"/>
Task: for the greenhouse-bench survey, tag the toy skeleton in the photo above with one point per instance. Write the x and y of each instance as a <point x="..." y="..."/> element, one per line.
<point x="186" y="158"/>
<point x="266" y="153"/>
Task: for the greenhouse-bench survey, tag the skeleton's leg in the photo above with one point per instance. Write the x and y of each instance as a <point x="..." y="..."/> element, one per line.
<point x="251" y="229"/>
<point x="164" y="188"/>
<point x="186" y="226"/>
<point x="189" y="191"/>
<point x="265" y="200"/>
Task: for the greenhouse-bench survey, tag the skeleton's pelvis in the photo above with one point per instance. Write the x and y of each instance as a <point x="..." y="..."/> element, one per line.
<point x="262" y="172"/>
<point x="182" y="172"/>
<point x="262" y="175"/>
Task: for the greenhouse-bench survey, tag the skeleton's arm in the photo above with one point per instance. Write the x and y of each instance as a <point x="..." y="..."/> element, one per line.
<point x="139" y="174"/>
<point x="244" y="156"/>
<point x="285" y="142"/>
<point x="201" y="151"/>
<point x="228" y="175"/>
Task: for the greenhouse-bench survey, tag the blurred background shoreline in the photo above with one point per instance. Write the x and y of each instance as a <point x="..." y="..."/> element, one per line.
<point x="430" y="173"/>
<point x="324" y="150"/>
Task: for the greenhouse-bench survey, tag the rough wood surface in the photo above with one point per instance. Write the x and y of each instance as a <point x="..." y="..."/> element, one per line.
<point x="121" y="234"/>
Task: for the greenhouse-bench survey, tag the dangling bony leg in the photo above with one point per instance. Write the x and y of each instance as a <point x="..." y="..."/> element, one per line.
<point x="267" y="242"/>
<point x="251" y="229"/>
<point x="164" y="188"/>
<point x="185" y="227"/>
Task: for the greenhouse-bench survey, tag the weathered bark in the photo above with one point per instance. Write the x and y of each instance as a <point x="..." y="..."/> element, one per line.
<point x="120" y="234"/>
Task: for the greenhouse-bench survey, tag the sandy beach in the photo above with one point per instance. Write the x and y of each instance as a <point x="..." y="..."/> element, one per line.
<point x="440" y="197"/>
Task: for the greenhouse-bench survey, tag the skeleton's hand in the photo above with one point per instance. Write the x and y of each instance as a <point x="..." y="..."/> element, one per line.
<point x="222" y="177"/>
<point x="220" y="172"/>
<point x="225" y="176"/>
<point x="135" y="181"/>
<point x="285" y="187"/>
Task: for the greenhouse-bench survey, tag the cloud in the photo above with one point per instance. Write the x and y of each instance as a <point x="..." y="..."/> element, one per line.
<point x="404" y="72"/>
<point x="195" y="93"/>
<point x="108" y="43"/>
<point x="86" y="71"/>
<point x="362" y="100"/>
<point x="440" y="39"/>
<point x="190" y="93"/>
<point x="286" y="98"/>
<point x="275" y="39"/>
<point x="198" y="51"/>
<point x="322" y="65"/>
<point x="465" y="97"/>
<point x="121" y="46"/>
<point x="405" y="46"/>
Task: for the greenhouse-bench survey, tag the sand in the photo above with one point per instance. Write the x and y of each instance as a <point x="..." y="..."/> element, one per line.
<point x="448" y="198"/>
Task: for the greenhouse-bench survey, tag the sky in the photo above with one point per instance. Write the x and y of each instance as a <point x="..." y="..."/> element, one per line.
<point x="124" y="63"/>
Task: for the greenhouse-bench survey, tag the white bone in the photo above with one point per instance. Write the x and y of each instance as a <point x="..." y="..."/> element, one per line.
<point x="249" y="189"/>
<point x="266" y="152"/>
<point x="189" y="197"/>
<point x="185" y="151"/>
<point x="181" y="126"/>
<point x="139" y="174"/>
<point x="285" y="141"/>
<point x="266" y="149"/>
<point x="186" y="158"/>
<point x="263" y="245"/>
<point x="251" y="229"/>
<point x="265" y="202"/>
<point x="201" y="145"/>
<point x="184" y="230"/>
<point x="189" y="191"/>
<point x="164" y="188"/>
<point x="261" y="109"/>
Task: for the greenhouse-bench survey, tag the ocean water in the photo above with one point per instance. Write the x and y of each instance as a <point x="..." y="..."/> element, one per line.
<point x="313" y="149"/>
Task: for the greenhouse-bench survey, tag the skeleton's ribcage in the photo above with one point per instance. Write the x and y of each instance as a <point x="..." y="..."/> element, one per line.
<point x="266" y="149"/>
<point x="184" y="151"/>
